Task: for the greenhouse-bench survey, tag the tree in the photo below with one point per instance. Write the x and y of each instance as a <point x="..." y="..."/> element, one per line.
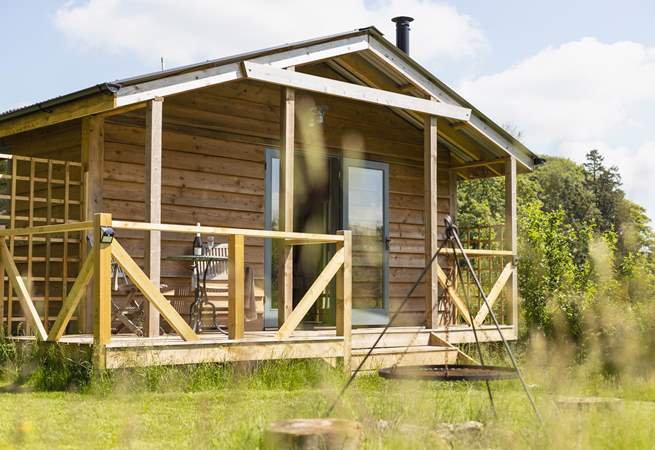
<point x="550" y="279"/>
<point x="605" y="185"/>
<point x="562" y="187"/>
<point x="480" y="202"/>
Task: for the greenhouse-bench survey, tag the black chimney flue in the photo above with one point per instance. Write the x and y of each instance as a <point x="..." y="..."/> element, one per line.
<point x="402" y="32"/>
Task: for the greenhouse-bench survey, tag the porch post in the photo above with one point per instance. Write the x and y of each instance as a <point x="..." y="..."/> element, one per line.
<point x="236" y="272"/>
<point x="101" y="292"/>
<point x="92" y="158"/>
<point x="511" y="230"/>
<point x="152" y="248"/>
<point x="430" y="219"/>
<point x="453" y="194"/>
<point x="287" y="136"/>
<point x="344" y="306"/>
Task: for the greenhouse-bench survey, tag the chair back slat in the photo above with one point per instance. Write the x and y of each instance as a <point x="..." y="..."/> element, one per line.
<point x="216" y="270"/>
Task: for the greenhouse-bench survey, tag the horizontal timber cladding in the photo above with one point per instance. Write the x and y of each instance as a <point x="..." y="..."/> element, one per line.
<point x="214" y="167"/>
<point x="61" y="142"/>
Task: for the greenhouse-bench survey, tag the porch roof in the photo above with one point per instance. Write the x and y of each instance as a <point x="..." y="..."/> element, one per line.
<point x="409" y="76"/>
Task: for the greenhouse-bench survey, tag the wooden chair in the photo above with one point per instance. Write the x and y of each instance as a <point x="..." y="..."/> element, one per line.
<point x="128" y="304"/>
<point x="129" y="314"/>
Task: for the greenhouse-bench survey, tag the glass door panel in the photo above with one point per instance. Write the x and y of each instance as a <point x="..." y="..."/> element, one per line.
<point x="316" y="210"/>
<point x="366" y="215"/>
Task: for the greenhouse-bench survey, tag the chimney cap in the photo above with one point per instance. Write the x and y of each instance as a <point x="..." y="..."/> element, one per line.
<point x="402" y="19"/>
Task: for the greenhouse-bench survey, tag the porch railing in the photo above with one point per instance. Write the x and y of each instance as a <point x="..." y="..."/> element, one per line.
<point x="97" y="265"/>
<point x="495" y="268"/>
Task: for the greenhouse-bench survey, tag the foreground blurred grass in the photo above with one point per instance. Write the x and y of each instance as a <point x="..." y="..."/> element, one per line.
<point x="215" y="406"/>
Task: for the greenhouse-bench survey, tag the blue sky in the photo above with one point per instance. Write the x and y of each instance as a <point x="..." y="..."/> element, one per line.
<point x="571" y="75"/>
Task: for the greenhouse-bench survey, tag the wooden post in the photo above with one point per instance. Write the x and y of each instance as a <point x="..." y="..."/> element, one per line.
<point x="30" y="241"/>
<point x="453" y="194"/>
<point x="236" y="275"/>
<point x="152" y="248"/>
<point x="93" y="156"/>
<point x="431" y="219"/>
<point x="64" y="272"/>
<point x="344" y="299"/>
<point x="101" y="292"/>
<point x="12" y="225"/>
<point x="48" y="246"/>
<point x="287" y="136"/>
<point x="511" y="231"/>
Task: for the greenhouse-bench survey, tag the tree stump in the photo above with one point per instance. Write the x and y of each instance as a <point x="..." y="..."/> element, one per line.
<point x="313" y="434"/>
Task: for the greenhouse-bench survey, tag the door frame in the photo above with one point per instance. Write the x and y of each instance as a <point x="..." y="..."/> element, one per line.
<point x="270" y="313"/>
<point x="370" y="316"/>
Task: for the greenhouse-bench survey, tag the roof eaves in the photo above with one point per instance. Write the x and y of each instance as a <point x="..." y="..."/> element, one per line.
<point x="102" y="88"/>
<point x="113" y="87"/>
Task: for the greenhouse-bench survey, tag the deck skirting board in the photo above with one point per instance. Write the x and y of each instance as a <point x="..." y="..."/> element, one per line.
<point x="125" y="351"/>
<point x="197" y="353"/>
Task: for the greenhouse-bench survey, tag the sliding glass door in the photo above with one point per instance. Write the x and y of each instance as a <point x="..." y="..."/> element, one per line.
<point x="365" y="213"/>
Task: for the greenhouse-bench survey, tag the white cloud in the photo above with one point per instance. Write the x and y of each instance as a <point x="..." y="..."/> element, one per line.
<point x="18" y="105"/>
<point x="582" y="95"/>
<point x="194" y="30"/>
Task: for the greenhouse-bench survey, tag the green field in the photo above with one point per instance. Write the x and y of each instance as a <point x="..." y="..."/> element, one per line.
<point x="219" y="407"/>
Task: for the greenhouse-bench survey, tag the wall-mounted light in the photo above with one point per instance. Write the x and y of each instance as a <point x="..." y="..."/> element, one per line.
<point x="106" y="235"/>
<point x="319" y="112"/>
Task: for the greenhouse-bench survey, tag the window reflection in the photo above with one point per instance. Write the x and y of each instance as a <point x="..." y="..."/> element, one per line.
<point x="366" y="220"/>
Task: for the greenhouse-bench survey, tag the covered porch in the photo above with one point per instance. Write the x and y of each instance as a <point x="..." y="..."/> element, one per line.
<point x="199" y="145"/>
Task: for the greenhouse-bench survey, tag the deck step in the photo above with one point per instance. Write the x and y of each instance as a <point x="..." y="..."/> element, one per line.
<point x="403" y="356"/>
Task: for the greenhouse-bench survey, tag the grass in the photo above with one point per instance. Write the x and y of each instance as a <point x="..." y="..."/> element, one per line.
<point x="219" y="406"/>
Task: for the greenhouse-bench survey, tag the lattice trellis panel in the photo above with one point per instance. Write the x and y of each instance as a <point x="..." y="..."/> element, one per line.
<point x="36" y="192"/>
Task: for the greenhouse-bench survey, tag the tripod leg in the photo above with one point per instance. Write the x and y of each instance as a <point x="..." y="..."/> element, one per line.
<point x="452" y="231"/>
<point x="475" y="331"/>
<point x="384" y="330"/>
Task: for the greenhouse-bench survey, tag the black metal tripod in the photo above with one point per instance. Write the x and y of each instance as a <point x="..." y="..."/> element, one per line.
<point x="452" y="236"/>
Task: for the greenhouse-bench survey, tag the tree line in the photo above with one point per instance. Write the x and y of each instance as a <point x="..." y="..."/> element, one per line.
<point x="586" y="253"/>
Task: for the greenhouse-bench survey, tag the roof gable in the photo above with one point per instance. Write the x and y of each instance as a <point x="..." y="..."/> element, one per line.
<point x="129" y="92"/>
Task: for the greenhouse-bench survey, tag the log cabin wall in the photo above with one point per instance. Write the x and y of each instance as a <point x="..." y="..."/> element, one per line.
<point x="61" y="142"/>
<point x="214" y="144"/>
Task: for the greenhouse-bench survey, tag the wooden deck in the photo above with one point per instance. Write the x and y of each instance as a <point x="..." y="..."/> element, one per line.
<point x="400" y="346"/>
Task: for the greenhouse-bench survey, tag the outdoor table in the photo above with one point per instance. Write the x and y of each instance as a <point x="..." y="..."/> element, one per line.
<point x="195" y="312"/>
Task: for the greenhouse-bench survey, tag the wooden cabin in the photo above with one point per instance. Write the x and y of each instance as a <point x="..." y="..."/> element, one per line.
<point x="326" y="166"/>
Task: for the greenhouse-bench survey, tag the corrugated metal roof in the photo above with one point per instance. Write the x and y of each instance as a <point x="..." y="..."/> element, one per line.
<point x="108" y="88"/>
